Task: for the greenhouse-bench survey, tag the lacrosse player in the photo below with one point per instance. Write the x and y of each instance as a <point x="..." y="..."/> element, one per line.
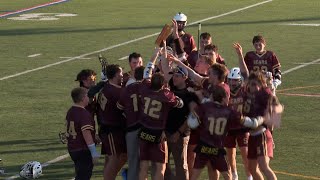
<point x="263" y="60"/>
<point x="81" y="135"/>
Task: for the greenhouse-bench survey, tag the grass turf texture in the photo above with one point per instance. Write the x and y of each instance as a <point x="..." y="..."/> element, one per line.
<point x="33" y="106"/>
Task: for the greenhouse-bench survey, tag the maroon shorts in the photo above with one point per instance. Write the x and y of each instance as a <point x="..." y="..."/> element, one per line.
<point x="240" y="139"/>
<point x="219" y="163"/>
<point x="113" y="143"/>
<point x="260" y="145"/>
<point x="153" y="152"/>
<point x="194" y="137"/>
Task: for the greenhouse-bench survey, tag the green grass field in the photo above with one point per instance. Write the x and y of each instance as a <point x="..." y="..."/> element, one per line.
<point x="33" y="105"/>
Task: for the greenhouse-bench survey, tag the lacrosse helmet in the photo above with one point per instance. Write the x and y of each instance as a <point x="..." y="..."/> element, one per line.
<point x="235" y="74"/>
<point x="31" y="170"/>
<point x="180" y="17"/>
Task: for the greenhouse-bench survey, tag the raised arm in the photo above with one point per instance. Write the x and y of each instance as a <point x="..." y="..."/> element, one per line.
<point x="147" y="73"/>
<point x="191" y="73"/>
<point x="242" y="65"/>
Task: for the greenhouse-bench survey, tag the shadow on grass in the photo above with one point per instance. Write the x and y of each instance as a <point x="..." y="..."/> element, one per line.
<point x="41" y="31"/>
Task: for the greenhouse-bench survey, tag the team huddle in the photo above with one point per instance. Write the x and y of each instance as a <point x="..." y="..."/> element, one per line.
<point x="184" y="102"/>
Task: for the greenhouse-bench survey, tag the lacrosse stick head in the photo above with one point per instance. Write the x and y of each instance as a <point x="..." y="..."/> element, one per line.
<point x="274" y="113"/>
<point x="63" y="137"/>
<point x="104" y="63"/>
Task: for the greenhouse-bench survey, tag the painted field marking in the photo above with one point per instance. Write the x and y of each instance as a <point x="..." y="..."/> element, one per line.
<point x="32" y="8"/>
<point x="57" y="159"/>
<point x="297" y="175"/>
<point x="72" y="57"/>
<point x="123" y="58"/>
<point x="291" y="174"/>
<point x="34" y="55"/>
<point x="128" y="42"/>
<point x="306" y="63"/>
<point x="112" y="47"/>
<point x="301" y="66"/>
<point x="297" y="24"/>
<point x="299" y="94"/>
<point x="299" y="87"/>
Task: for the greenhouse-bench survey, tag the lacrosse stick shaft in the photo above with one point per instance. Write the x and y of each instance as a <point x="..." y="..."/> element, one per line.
<point x="199" y="33"/>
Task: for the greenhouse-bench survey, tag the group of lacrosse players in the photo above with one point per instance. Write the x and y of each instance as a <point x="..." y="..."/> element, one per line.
<point x="184" y="103"/>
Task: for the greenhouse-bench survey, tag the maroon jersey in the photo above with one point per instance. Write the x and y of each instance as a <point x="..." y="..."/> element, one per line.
<point x="236" y="102"/>
<point x="215" y="120"/>
<point x="108" y="98"/>
<point x="267" y="61"/>
<point x="257" y="103"/>
<point x="78" y="120"/>
<point x="128" y="102"/>
<point x="155" y="106"/>
<point x="236" y="99"/>
<point x="188" y="45"/>
<point x="220" y="59"/>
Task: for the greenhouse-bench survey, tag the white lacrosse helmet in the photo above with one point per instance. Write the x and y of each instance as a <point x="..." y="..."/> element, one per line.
<point x="235" y="73"/>
<point x="31" y="170"/>
<point x="180" y="17"/>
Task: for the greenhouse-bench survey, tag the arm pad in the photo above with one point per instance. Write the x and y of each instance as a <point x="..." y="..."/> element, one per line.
<point x="252" y="122"/>
<point x="147" y="72"/>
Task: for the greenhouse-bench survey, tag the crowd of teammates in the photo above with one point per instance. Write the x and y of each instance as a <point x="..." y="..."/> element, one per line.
<point x="184" y="102"/>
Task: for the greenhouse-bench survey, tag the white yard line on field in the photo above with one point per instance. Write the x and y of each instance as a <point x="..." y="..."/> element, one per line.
<point x="34" y="55"/>
<point x="301" y="66"/>
<point x="306" y="63"/>
<point x="127" y="42"/>
<point x="57" y="159"/>
<point x="296" y="24"/>
<point x="123" y="58"/>
<point x="72" y="57"/>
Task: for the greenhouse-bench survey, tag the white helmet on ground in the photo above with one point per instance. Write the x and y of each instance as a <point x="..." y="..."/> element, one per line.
<point x="31" y="170"/>
<point x="180" y="17"/>
<point x="235" y="73"/>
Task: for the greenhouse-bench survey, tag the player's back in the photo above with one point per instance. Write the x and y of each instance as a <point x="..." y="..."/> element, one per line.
<point x="216" y="120"/>
<point x="129" y="103"/>
<point x="108" y="99"/>
<point x="155" y="106"/>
